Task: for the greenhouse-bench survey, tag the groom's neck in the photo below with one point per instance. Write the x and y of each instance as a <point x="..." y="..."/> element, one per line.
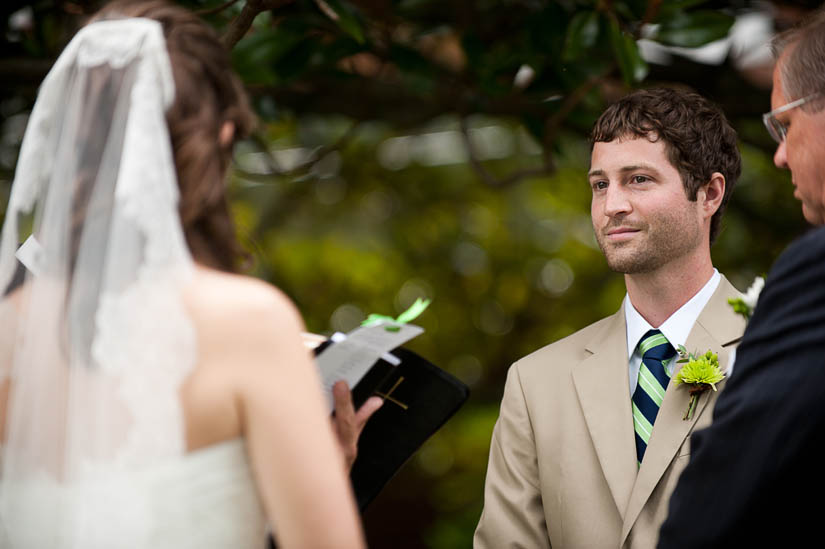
<point x="658" y="294"/>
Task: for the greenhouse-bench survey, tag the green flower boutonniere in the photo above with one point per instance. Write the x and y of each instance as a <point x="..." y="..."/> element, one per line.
<point x="700" y="373"/>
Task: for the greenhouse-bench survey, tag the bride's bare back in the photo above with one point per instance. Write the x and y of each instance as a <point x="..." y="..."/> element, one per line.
<point x="254" y="378"/>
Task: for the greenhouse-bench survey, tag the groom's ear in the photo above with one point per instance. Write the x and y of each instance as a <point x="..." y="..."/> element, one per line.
<point x="711" y="194"/>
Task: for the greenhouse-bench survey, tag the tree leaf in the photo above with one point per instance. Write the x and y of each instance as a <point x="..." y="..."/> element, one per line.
<point x="631" y="64"/>
<point x="670" y="7"/>
<point x="256" y="54"/>
<point x="630" y="11"/>
<point x="691" y="30"/>
<point x="581" y="35"/>
<point x="346" y="19"/>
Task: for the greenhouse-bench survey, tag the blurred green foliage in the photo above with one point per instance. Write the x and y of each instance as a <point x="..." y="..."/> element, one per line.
<point x="509" y="270"/>
<point x="437" y="148"/>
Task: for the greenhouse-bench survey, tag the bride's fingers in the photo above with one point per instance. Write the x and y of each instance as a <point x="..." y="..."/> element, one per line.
<point x="344" y="422"/>
<point x="349" y="424"/>
<point x="366" y="410"/>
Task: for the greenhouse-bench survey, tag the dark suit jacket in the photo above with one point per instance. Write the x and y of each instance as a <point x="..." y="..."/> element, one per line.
<point x="756" y="477"/>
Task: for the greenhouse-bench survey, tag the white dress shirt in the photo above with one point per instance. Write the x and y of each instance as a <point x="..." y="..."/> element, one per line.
<point x="676" y="328"/>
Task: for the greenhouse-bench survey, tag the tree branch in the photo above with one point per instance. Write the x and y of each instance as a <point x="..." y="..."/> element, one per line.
<point x="271" y="210"/>
<point x="242" y="23"/>
<point x="327" y="10"/>
<point x="551" y="128"/>
<point x="369" y="99"/>
<point x="316" y="156"/>
<point x="321" y="152"/>
<point x="651" y="12"/>
<point x="274" y="167"/>
<point x="572" y="100"/>
<point x="272" y="164"/>
<point x="490" y="179"/>
<point x="217" y="9"/>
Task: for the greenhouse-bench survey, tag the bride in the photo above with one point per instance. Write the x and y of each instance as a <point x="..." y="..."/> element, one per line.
<point x="149" y="396"/>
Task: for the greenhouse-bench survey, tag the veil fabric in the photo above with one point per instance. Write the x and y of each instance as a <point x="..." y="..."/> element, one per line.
<point x="96" y="340"/>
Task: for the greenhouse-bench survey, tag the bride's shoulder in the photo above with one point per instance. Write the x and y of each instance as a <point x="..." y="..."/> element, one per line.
<point x="234" y="302"/>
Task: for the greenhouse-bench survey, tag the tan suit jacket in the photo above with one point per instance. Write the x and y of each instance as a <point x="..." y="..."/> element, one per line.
<point x="563" y="470"/>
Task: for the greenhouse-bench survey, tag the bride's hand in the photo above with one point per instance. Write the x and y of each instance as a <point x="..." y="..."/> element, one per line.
<point x="348" y="423"/>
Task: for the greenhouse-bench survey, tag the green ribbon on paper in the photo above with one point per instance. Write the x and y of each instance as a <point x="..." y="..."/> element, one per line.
<point x="394" y="324"/>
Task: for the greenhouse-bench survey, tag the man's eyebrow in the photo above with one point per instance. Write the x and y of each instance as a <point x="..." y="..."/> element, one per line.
<point x="625" y="169"/>
<point x="636" y="167"/>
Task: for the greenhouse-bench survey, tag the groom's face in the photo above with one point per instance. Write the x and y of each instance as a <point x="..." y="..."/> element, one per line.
<point x="641" y="215"/>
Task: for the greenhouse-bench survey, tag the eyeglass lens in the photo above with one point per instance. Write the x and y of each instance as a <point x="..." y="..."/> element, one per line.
<point x="775" y="128"/>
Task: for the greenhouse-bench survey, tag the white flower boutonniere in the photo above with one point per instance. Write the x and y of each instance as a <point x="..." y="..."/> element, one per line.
<point x="746" y="304"/>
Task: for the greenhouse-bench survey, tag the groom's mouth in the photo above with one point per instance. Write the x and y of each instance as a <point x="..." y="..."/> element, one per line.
<point x="620" y="234"/>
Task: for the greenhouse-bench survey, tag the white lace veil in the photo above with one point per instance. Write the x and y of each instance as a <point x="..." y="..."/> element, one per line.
<point x="96" y="342"/>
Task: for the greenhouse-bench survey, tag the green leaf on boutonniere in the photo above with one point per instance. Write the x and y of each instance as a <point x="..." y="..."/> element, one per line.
<point x="747" y="303"/>
<point x="700" y="374"/>
<point x="393" y="324"/>
<point x="740" y="307"/>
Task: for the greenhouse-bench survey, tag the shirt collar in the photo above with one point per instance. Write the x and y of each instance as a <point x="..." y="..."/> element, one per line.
<point x="677" y="327"/>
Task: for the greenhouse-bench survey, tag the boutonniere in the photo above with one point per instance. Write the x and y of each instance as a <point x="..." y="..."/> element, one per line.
<point x="394" y="324"/>
<point x="700" y="373"/>
<point x="746" y="304"/>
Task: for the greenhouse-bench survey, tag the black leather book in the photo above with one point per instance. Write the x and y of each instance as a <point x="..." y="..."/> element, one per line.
<point x="419" y="398"/>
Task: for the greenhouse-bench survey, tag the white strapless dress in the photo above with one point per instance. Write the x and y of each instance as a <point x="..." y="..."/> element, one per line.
<point x="204" y="500"/>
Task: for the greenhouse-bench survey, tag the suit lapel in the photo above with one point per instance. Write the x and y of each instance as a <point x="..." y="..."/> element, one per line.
<point x="602" y="388"/>
<point x="716" y="329"/>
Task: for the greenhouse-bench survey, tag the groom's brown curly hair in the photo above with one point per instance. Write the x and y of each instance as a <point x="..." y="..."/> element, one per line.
<point x="698" y="138"/>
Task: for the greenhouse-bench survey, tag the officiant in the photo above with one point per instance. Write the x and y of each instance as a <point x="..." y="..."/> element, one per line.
<point x="749" y="471"/>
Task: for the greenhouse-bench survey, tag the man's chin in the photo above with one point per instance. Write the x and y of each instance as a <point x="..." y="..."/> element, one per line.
<point x="627" y="264"/>
<point x="814" y="216"/>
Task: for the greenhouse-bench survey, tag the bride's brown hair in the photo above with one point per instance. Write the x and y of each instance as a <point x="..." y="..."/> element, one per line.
<point x="208" y="94"/>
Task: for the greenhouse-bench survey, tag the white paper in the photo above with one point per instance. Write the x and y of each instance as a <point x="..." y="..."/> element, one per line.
<point x="351" y="358"/>
<point x="30" y="254"/>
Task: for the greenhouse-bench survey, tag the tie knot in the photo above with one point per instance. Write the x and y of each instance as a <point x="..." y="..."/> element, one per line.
<point x="655" y="345"/>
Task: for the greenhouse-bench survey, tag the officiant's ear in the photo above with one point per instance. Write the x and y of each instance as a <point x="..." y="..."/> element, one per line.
<point x="227" y="134"/>
<point x="711" y="194"/>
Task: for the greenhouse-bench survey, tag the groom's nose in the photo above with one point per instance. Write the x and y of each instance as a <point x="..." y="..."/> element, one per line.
<point x="616" y="201"/>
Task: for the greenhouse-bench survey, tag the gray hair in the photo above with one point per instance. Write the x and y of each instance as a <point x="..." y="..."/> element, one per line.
<point x="802" y="72"/>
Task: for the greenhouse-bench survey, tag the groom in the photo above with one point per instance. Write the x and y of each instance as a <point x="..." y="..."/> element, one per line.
<point x="590" y="440"/>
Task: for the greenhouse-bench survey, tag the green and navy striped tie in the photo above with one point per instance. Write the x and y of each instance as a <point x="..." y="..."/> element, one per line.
<point x="650" y="390"/>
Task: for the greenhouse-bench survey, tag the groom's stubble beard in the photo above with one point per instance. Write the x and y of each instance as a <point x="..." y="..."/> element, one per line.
<point x="664" y="238"/>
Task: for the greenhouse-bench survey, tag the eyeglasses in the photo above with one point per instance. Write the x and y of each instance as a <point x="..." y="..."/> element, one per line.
<point x="777" y="129"/>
